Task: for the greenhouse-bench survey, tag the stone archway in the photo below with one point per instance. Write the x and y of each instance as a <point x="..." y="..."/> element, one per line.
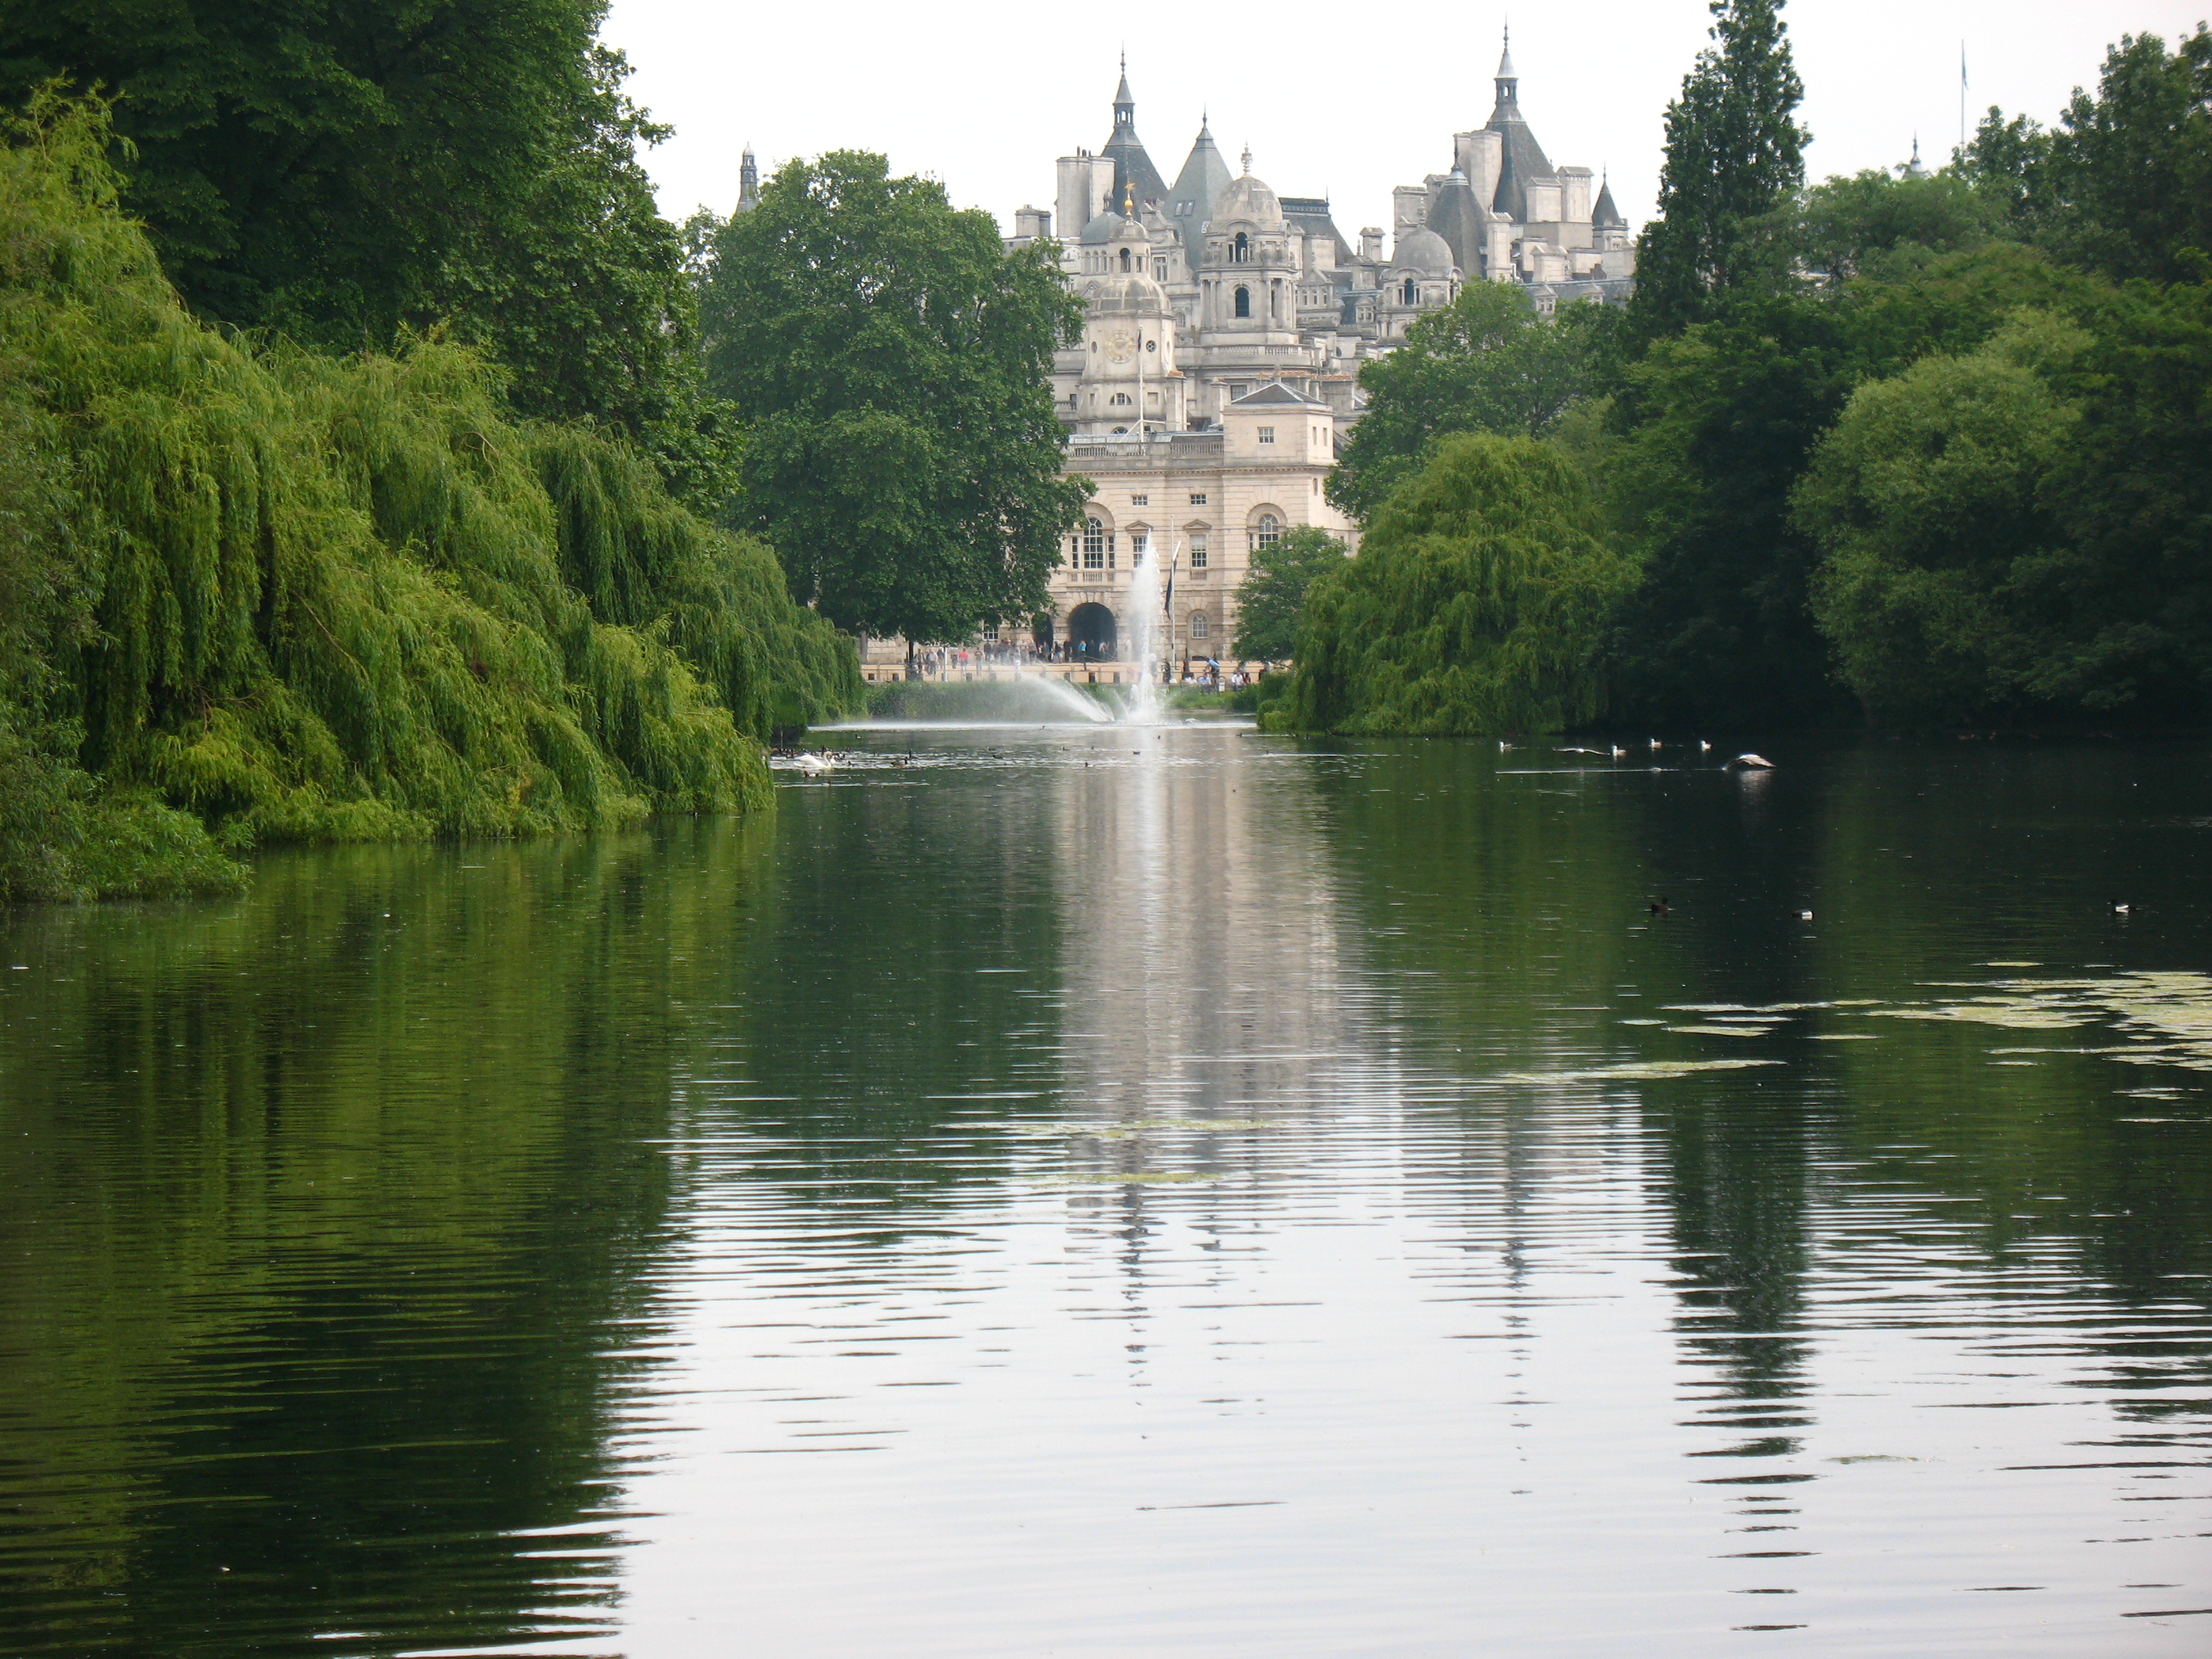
<point x="1091" y="634"/>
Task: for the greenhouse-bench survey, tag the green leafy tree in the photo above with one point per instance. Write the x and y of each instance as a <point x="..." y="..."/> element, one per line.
<point x="348" y="173"/>
<point x="1486" y="363"/>
<point x="1734" y="154"/>
<point x="1718" y="423"/>
<point x="1943" y="571"/>
<point x="1873" y="224"/>
<point x="890" y="359"/>
<point x="2126" y="186"/>
<point x="1478" y="603"/>
<point x="1269" y="599"/>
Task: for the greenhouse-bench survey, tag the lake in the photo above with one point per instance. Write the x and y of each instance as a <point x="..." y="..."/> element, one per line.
<point x="1110" y="1191"/>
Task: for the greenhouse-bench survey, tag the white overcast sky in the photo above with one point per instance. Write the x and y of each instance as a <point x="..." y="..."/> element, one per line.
<point x="1346" y="99"/>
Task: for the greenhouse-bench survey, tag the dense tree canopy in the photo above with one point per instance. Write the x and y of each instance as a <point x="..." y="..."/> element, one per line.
<point x="1270" y="599"/>
<point x="1735" y="153"/>
<point x="344" y="172"/>
<point x="1486" y="363"/>
<point x="276" y="594"/>
<point x="890" y="359"/>
<point x="1478" y="602"/>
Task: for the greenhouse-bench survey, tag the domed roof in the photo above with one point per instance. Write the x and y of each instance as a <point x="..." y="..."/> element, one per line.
<point x="1248" y="201"/>
<point x="1422" y="250"/>
<point x="1125" y="294"/>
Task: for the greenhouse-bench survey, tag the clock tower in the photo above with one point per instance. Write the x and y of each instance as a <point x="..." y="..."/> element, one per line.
<point x="1129" y="385"/>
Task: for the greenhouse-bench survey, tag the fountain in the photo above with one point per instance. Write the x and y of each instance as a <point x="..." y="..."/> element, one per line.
<point x="1147" y="604"/>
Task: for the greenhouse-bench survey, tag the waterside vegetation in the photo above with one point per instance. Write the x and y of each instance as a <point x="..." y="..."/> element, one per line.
<point x="256" y="592"/>
<point x="1923" y="450"/>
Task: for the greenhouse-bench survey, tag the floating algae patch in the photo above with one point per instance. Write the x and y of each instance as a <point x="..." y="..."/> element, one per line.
<point x="1172" y="1125"/>
<point x="1633" y="1070"/>
<point x="2164" y="1018"/>
<point x="1138" y="1177"/>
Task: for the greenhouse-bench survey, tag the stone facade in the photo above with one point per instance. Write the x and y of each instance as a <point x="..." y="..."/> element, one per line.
<point x="1225" y="329"/>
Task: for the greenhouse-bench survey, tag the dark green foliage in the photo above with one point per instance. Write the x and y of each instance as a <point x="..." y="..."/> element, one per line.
<point x="1270" y="599"/>
<point x="1735" y="153"/>
<point x="1944" y="586"/>
<point x="1719" y="421"/>
<point x="1487" y="362"/>
<point x="1478" y="602"/>
<point x="2022" y="531"/>
<point x="890" y="361"/>
<point x="1873" y="224"/>
<point x="308" y="599"/>
<point x="347" y="172"/>
<point x="2124" y="186"/>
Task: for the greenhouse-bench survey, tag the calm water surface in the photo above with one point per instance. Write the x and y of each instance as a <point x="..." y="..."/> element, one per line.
<point x="1116" y="1193"/>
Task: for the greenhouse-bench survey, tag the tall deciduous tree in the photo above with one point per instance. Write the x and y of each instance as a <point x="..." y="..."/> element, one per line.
<point x="1486" y="363"/>
<point x="1478" y="602"/>
<point x="1270" y="599"/>
<point x="343" y="171"/>
<point x="890" y="358"/>
<point x="1734" y="154"/>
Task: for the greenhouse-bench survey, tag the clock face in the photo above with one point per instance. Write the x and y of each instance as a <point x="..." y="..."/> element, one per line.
<point x="1121" y="347"/>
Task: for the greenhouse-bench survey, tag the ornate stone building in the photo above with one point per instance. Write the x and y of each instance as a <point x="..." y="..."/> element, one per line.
<point x="1226" y="327"/>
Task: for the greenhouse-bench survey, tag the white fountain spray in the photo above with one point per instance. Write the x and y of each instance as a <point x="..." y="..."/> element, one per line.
<point x="1146" y="605"/>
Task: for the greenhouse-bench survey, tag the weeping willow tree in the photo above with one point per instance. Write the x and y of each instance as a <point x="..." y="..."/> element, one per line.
<point x="298" y="597"/>
<point x="1478" y="602"/>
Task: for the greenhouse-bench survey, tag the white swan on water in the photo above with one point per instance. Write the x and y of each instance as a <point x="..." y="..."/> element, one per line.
<point x="811" y="761"/>
<point x="1751" y="763"/>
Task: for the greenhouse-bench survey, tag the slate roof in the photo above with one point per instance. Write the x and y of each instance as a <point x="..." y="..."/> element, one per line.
<point x="1274" y="394"/>
<point x="1605" y="213"/>
<point x="1132" y="168"/>
<point x="1310" y="216"/>
<point x="1457" y="216"/>
<point x="1522" y="157"/>
<point x="1204" y="177"/>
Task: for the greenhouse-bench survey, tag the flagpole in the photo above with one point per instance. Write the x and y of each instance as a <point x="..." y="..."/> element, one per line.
<point x="1962" y="102"/>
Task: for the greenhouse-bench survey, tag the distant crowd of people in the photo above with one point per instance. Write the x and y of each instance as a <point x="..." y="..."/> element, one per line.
<point x="948" y="662"/>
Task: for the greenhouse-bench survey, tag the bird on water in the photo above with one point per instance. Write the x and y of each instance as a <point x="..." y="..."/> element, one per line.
<point x="2116" y="907"/>
<point x="1749" y="762"/>
<point x="1659" y="907"/>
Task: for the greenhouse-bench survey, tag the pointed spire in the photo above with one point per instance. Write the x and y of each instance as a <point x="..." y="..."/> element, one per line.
<point x="1122" y="101"/>
<point x="1506" y="57"/>
<point x="1248" y="157"/>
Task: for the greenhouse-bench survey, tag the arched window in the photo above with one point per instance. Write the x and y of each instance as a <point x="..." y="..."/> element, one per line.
<point x="1119" y="398"/>
<point x="1412" y="293"/>
<point x="1242" y="252"/>
<point x="1094" y="545"/>
<point x="1124" y="258"/>
<point x="1266" y="532"/>
<point x="1199" y="626"/>
<point x="1243" y="302"/>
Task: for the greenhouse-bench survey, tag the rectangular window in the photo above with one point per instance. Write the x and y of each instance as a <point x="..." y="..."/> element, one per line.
<point x="1140" y="501"/>
<point x="1267" y="435"/>
<point x="1159" y="271"/>
<point x="1198" y="552"/>
<point x="1198" y="498"/>
<point x="991" y="633"/>
<point x="1094" y="558"/>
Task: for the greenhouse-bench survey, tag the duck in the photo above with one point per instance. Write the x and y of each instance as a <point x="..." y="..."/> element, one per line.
<point x="1804" y="916"/>
<point x="1503" y="747"/>
<point x="1655" y="745"/>
<point x="1659" y="907"/>
<point x="1618" y="753"/>
<point x="2118" y="908"/>
<point x="1750" y="763"/>
<point x="1704" y="748"/>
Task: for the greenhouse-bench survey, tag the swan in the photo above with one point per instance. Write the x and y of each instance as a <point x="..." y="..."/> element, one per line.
<point x="812" y="762"/>
<point x="1748" y="762"/>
